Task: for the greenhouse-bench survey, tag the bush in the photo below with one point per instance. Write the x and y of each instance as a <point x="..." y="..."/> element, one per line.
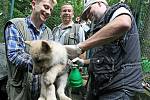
<point x="145" y="65"/>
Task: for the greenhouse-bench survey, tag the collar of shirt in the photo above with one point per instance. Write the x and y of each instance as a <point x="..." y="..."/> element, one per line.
<point x="32" y="26"/>
<point x="66" y="26"/>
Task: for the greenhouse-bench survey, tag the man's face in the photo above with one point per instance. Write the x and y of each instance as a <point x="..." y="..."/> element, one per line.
<point x="94" y="12"/>
<point x="67" y="13"/>
<point x="42" y="9"/>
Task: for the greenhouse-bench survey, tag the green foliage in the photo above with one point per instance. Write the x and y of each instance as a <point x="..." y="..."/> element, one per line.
<point x="22" y="8"/>
<point x="3" y="16"/>
<point x="111" y="2"/>
<point x="145" y="64"/>
<point x="17" y="13"/>
<point x="144" y="29"/>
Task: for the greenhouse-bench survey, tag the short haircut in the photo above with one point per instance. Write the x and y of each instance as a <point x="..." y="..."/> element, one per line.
<point x="53" y="1"/>
<point x="66" y="3"/>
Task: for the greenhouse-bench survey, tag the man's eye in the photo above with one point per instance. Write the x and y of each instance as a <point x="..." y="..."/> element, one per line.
<point x="64" y="10"/>
<point x="69" y="10"/>
<point x="46" y="7"/>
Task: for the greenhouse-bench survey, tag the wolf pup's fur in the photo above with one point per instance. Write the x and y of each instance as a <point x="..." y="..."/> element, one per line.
<point x="50" y="59"/>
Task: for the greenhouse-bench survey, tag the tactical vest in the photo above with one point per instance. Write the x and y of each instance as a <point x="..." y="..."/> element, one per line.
<point x="71" y="37"/>
<point x="107" y="60"/>
<point x="19" y="80"/>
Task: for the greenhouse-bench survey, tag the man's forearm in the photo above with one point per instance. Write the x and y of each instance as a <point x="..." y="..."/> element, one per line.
<point x="20" y="59"/>
<point x="108" y="33"/>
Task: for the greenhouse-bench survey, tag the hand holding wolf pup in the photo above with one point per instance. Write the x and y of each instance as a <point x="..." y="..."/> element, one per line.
<point x="50" y="59"/>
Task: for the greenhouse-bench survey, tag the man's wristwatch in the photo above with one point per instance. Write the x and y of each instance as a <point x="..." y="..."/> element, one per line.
<point x="79" y="50"/>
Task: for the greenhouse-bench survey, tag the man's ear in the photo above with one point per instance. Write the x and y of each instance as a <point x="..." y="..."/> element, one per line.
<point x="28" y="43"/>
<point x="33" y="4"/>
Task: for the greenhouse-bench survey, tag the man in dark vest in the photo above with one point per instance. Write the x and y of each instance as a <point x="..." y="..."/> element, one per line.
<point x="22" y="84"/>
<point x="115" y="70"/>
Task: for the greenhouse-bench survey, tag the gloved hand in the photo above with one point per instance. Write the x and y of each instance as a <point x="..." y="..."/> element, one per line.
<point x="78" y="61"/>
<point x="73" y="51"/>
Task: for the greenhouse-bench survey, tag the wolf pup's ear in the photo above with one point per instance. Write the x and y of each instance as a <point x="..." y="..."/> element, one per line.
<point x="28" y="43"/>
<point x="45" y="47"/>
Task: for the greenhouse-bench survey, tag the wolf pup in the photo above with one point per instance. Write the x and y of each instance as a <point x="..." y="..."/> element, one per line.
<point x="50" y="59"/>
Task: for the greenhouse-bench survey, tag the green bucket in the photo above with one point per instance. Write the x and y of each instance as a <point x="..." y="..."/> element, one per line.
<point x="75" y="79"/>
<point x="146" y="65"/>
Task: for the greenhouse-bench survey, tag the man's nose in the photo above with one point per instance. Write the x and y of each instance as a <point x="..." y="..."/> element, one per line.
<point x="48" y="12"/>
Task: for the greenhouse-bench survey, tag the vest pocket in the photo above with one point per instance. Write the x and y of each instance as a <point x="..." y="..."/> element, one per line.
<point x="18" y="90"/>
<point x="102" y="69"/>
<point x="72" y="39"/>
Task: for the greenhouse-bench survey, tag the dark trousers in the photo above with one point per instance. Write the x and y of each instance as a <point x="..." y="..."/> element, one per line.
<point x="117" y="95"/>
<point x="3" y="93"/>
<point x="122" y="87"/>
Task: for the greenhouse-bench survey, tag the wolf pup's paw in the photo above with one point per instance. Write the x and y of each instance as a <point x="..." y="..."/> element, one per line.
<point x="49" y="79"/>
<point x="41" y="98"/>
<point x="65" y="98"/>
